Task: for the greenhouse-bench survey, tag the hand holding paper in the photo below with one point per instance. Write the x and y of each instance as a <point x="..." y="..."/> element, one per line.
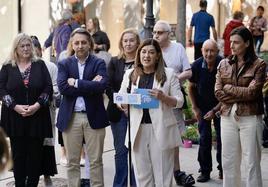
<point x="158" y="94"/>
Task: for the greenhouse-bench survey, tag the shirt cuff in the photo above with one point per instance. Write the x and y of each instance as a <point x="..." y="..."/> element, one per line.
<point x="76" y="83"/>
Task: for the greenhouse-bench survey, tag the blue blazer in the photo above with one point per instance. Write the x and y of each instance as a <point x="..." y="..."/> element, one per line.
<point x="90" y="90"/>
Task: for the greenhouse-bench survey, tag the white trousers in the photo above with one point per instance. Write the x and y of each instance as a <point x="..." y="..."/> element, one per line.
<point x="153" y="166"/>
<point x="241" y="138"/>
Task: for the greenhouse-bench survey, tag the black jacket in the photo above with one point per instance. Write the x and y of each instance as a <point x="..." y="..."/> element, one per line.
<point x="115" y="77"/>
<point x="11" y="83"/>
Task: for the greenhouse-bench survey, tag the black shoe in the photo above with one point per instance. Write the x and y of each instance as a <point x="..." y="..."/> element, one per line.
<point x="183" y="180"/>
<point x="220" y="175"/>
<point x="85" y="182"/>
<point x="204" y="177"/>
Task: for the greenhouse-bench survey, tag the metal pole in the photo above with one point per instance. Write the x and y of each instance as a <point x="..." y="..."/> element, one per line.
<point x="19" y="16"/>
<point x="149" y="20"/>
<point x="181" y="22"/>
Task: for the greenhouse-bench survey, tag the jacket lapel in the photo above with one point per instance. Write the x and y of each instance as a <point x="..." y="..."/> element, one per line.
<point x="74" y="67"/>
<point x="88" y="71"/>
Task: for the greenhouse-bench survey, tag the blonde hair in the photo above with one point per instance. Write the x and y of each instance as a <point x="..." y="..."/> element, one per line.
<point x="13" y="57"/>
<point x="120" y="45"/>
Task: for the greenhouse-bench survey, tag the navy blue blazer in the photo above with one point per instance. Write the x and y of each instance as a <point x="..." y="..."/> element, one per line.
<point x="90" y="90"/>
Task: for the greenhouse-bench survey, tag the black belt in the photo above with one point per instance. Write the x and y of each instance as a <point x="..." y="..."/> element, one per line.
<point x="82" y="111"/>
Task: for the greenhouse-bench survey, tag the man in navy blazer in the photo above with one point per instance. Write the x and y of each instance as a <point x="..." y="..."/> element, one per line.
<point x="82" y="80"/>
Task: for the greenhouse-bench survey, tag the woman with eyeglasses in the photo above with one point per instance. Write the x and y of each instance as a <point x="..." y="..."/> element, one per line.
<point x="154" y="132"/>
<point x="25" y="91"/>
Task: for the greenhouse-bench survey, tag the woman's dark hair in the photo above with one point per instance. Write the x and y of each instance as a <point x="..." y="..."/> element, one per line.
<point x="260" y="8"/>
<point x="36" y="42"/>
<point x="96" y="23"/>
<point x="159" y="66"/>
<point x="250" y="55"/>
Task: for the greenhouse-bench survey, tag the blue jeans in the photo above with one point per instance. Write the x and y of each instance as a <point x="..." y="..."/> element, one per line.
<point x="258" y="40"/>
<point x="119" y="130"/>
<point x="205" y="144"/>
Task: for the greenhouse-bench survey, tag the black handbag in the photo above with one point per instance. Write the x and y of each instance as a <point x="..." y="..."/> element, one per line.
<point x="113" y="113"/>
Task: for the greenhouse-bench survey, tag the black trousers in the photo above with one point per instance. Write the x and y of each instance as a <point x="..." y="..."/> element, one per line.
<point x="27" y="160"/>
<point x="197" y="50"/>
<point x="205" y="144"/>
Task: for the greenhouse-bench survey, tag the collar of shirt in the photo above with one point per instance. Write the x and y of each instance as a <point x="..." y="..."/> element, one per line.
<point x="79" y="61"/>
<point x="204" y="64"/>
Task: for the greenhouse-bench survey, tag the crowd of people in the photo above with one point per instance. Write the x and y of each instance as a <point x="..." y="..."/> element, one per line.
<point x="224" y="91"/>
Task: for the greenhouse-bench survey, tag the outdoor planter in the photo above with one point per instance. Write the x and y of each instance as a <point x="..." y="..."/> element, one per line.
<point x="187" y="143"/>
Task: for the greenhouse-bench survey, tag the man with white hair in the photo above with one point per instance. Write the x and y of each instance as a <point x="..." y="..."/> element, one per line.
<point x="205" y="107"/>
<point x="175" y="57"/>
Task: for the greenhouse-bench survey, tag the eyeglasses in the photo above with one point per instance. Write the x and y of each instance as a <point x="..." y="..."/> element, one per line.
<point x="159" y="32"/>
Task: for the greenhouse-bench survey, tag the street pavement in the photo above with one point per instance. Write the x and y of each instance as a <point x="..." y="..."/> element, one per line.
<point x="188" y="163"/>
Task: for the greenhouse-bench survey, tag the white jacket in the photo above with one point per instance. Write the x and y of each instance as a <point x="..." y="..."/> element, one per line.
<point x="163" y="120"/>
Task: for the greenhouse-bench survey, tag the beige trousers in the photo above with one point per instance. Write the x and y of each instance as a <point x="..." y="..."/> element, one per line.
<point x="241" y="138"/>
<point x="153" y="167"/>
<point x="94" y="140"/>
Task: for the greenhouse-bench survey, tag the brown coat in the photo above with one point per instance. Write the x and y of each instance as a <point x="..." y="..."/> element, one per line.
<point x="232" y="87"/>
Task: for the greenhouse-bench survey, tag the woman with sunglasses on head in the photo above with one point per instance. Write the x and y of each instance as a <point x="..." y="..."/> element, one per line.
<point x="154" y="133"/>
<point x="25" y="90"/>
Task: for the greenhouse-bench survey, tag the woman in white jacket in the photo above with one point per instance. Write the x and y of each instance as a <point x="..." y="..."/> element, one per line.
<point x="154" y="133"/>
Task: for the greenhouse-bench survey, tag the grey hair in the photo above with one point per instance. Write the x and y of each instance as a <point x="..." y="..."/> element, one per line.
<point x="165" y="24"/>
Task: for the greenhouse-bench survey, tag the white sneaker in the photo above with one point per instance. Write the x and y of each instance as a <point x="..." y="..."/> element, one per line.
<point x="63" y="162"/>
<point x="82" y="162"/>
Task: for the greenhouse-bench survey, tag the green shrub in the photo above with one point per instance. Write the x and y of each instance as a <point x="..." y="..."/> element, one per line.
<point x="191" y="133"/>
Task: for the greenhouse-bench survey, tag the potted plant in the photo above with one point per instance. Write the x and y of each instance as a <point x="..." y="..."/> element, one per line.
<point x="190" y="136"/>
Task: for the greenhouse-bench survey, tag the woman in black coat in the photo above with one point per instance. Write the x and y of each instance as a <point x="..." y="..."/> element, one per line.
<point x="25" y="89"/>
<point x="128" y="45"/>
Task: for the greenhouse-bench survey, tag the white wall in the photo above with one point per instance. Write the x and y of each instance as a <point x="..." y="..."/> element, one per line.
<point x="8" y="30"/>
<point x="35" y="19"/>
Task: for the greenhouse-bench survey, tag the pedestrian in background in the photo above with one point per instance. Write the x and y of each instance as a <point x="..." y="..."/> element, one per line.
<point x="175" y="57"/>
<point x="201" y="21"/>
<point x="101" y="40"/>
<point x="154" y="132"/>
<point x="82" y="80"/>
<point x="237" y="21"/>
<point x="128" y="45"/>
<point x="49" y="167"/>
<point x="59" y="38"/>
<point x="205" y="107"/>
<point x="25" y="90"/>
<point x="239" y="82"/>
<point x="257" y="26"/>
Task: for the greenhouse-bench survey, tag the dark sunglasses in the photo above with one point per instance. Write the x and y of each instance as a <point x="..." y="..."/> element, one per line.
<point x="159" y="32"/>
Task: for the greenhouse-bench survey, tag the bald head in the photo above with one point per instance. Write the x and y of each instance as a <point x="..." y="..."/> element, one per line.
<point x="210" y="42"/>
<point x="210" y="51"/>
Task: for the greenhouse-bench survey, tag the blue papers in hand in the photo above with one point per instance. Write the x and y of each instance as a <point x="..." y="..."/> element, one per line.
<point x="147" y="101"/>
